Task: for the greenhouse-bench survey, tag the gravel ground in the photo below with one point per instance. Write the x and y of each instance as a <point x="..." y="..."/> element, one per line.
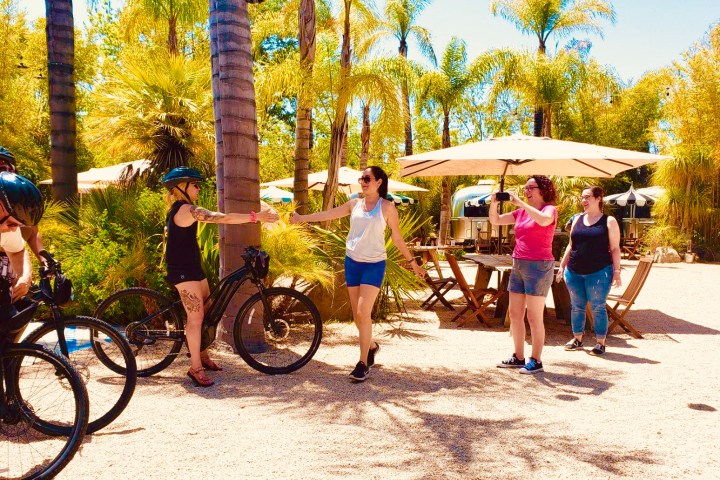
<point x="436" y="406"/>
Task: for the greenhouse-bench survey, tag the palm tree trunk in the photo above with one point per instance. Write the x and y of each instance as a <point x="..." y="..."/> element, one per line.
<point x="339" y="123"/>
<point x="303" y="116"/>
<point x="365" y="137"/>
<point x="403" y="50"/>
<point x="172" y="35"/>
<point x="219" y="156"/>
<point x="446" y="186"/>
<point x="60" y="34"/>
<point x="238" y="125"/>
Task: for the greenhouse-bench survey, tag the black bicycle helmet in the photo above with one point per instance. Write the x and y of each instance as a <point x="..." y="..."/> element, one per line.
<point x="179" y="175"/>
<point x="7" y="157"/>
<point x="21" y="198"/>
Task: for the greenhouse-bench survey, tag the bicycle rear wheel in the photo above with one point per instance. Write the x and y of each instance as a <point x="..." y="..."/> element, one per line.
<point x="45" y="414"/>
<point x="280" y="338"/>
<point x="102" y="357"/>
<point x="150" y="323"/>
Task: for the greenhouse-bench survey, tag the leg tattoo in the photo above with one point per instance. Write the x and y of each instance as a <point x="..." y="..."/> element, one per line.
<point x="192" y="302"/>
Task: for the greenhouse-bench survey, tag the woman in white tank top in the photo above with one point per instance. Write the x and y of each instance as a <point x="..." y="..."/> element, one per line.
<point x="366" y="255"/>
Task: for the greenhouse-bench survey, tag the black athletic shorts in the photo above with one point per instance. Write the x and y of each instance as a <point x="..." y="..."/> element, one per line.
<point x="180" y="275"/>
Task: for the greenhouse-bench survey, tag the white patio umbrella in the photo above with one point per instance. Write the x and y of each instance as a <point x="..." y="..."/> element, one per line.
<point x="347" y="182"/>
<point x="631" y="197"/>
<point x="525" y="155"/>
<point x="104" y="176"/>
<point x="276" y="195"/>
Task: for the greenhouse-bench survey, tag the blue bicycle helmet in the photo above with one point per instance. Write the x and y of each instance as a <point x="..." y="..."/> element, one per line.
<point x="21" y="199"/>
<point x="179" y="175"/>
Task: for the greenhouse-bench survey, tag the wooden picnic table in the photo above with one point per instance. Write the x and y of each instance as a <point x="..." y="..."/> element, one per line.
<point x="487" y="264"/>
<point x="429" y="252"/>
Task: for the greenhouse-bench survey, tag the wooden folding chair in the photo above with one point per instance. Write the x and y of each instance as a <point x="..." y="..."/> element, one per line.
<point x="439" y="287"/>
<point x="624" y="302"/>
<point x="486" y="296"/>
<point x="629" y="248"/>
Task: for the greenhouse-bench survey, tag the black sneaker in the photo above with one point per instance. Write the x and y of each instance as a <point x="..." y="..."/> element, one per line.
<point x="598" y="349"/>
<point x="512" y="362"/>
<point x="360" y="373"/>
<point x="573" y="344"/>
<point x="532" y="367"/>
<point x="371" y="354"/>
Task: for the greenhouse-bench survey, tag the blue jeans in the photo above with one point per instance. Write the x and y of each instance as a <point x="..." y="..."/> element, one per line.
<point x="593" y="288"/>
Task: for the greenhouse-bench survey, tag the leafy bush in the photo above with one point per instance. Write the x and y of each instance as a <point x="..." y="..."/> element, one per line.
<point x="664" y="236"/>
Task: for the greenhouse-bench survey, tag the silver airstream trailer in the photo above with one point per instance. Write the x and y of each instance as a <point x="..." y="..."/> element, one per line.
<point x="469" y="211"/>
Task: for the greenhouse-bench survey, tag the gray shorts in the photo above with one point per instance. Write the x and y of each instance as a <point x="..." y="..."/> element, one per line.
<point x="531" y="277"/>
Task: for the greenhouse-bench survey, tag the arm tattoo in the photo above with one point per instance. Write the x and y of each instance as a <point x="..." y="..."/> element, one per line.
<point x="205" y="215"/>
<point x="191" y="302"/>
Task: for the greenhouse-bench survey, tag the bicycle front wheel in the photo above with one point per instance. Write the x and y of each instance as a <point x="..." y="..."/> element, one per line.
<point x="101" y="356"/>
<point x="150" y="323"/>
<point x="44" y="414"/>
<point x="278" y="334"/>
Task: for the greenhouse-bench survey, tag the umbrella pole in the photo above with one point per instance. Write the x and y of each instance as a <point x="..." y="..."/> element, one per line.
<point x="502" y="189"/>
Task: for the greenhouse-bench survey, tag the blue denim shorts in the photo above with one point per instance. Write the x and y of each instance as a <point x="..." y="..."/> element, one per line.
<point x="357" y="273"/>
<point x="531" y="277"/>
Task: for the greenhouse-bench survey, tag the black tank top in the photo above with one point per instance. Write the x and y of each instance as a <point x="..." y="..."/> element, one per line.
<point x="590" y="246"/>
<point x="181" y="251"/>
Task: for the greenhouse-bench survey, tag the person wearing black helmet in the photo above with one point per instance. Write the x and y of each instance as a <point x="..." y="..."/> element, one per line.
<point x="30" y="234"/>
<point x="21" y="203"/>
<point x="182" y="255"/>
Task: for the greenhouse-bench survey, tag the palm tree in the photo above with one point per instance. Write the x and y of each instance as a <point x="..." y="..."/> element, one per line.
<point x="399" y="22"/>
<point x="60" y="34"/>
<point x="159" y="109"/>
<point x="546" y="17"/>
<point x="303" y="116"/>
<point x="236" y="135"/>
<point x="174" y="12"/>
<point x="445" y="88"/>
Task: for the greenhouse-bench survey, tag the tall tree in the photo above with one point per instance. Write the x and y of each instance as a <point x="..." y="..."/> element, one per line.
<point x="339" y="123"/>
<point x="444" y="88"/>
<point x="399" y="22"/>
<point x="562" y="18"/>
<point x="60" y="34"/>
<point x="303" y="116"/>
<point x="236" y="136"/>
<point x="174" y="12"/>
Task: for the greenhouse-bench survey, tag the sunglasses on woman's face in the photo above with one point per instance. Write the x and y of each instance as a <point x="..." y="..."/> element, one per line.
<point x="195" y="184"/>
<point x="365" y="179"/>
<point x="9" y="223"/>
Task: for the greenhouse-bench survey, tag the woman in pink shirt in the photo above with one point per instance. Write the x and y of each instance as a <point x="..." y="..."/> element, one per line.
<point x="533" y="265"/>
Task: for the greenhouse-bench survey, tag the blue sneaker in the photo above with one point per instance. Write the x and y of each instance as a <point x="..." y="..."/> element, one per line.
<point x="532" y="367"/>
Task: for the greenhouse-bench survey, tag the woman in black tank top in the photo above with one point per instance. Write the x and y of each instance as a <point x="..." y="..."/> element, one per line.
<point x="590" y="266"/>
<point x="182" y="254"/>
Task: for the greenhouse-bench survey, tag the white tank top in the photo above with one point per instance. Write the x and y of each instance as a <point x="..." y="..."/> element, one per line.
<point x="366" y="239"/>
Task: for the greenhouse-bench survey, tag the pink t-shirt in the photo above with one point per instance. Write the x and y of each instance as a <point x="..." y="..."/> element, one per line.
<point x="533" y="242"/>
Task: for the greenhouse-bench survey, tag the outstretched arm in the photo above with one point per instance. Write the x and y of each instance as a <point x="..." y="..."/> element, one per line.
<point x="188" y="214"/>
<point x="326" y="215"/>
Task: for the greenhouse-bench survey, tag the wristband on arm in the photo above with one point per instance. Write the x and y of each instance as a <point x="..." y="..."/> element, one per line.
<point x="253" y="217"/>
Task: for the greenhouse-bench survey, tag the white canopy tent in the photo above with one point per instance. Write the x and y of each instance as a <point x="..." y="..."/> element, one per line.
<point x="347" y="182"/>
<point x="104" y="176"/>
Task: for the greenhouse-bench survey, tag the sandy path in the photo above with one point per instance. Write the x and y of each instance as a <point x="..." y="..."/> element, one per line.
<point x="437" y="407"/>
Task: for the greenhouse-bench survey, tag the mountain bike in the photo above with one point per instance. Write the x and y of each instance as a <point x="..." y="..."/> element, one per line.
<point x="43" y="407"/>
<point x="276" y="331"/>
<point x="99" y="353"/>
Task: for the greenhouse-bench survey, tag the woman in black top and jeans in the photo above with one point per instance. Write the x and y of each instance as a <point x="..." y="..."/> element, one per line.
<point x="590" y="266"/>
<point x="182" y="254"/>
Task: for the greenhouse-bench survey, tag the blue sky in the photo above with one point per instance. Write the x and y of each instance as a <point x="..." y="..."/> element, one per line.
<point x="649" y="34"/>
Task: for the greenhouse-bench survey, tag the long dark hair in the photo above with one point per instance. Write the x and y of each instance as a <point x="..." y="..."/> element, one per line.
<point x="547" y="189"/>
<point x="380" y="174"/>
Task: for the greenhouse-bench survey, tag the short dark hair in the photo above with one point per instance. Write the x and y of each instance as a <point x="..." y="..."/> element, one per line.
<point x="598" y="192"/>
<point x="380" y="174"/>
<point x="547" y="189"/>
